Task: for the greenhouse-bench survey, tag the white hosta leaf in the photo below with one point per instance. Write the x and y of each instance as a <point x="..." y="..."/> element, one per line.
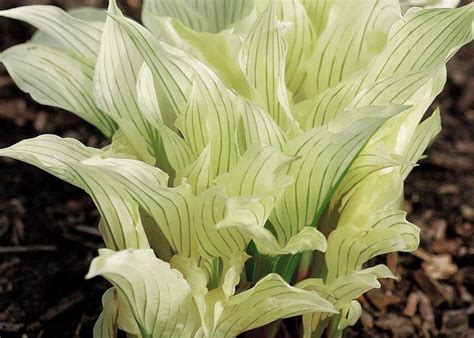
<point x="120" y="225"/>
<point x="170" y="208"/>
<point x="439" y="33"/>
<point x="223" y="125"/>
<point x="178" y="9"/>
<point x="397" y="134"/>
<point x="210" y="208"/>
<point x="205" y="46"/>
<point x="172" y="68"/>
<point x="259" y="127"/>
<point x="341" y="292"/>
<point x="125" y="141"/>
<point x="193" y="122"/>
<point x="211" y="117"/>
<point x="115" y="81"/>
<point x="222" y="14"/>
<point x="424" y="134"/>
<point x="237" y="207"/>
<point x="356" y="33"/>
<point x="83" y="13"/>
<point x="300" y="38"/>
<point x="253" y="187"/>
<point x="270" y="299"/>
<point x="401" y="88"/>
<point x="263" y="58"/>
<point x="170" y="148"/>
<point x="148" y="99"/>
<point x="350" y="314"/>
<point x="351" y="246"/>
<point x="87" y="13"/>
<point x="53" y="77"/>
<point x="333" y="150"/>
<point x="207" y="16"/>
<point x="211" y="303"/>
<point x="106" y="324"/>
<point x="175" y="71"/>
<point x="318" y="12"/>
<point x="52" y="153"/>
<point x="197" y="174"/>
<point x="115" y="315"/>
<point x="78" y="35"/>
<point x="158" y="296"/>
<point x="365" y="164"/>
<point x="197" y="280"/>
<point x="360" y="214"/>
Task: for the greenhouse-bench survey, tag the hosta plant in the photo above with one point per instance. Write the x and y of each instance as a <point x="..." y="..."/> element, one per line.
<point x="257" y="156"/>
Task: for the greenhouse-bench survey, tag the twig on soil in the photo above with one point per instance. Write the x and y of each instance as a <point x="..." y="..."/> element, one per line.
<point x="11" y="327"/>
<point x="87" y="230"/>
<point x="77" y="331"/>
<point x="64" y="305"/>
<point x="9" y="264"/>
<point x="26" y="249"/>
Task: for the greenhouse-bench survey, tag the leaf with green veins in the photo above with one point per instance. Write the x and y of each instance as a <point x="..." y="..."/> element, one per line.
<point x="178" y="9"/>
<point x="259" y="127"/>
<point x="115" y="315"/>
<point x="52" y="154"/>
<point x="172" y="152"/>
<point x="120" y="225"/>
<point x="197" y="174"/>
<point x="346" y="45"/>
<point x="424" y="134"/>
<point x="318" y="12"/>
<point x="269" y="299"/>
<point x="263" y="60"/>
<point x="350" y="314"/>
<point x="80" y="36"/>
<point x="334" y="152"/>
<point x="436" y="39"/>
<point x="56" y="78"/>
<point x="115" y="82"/>
<point x="204" y="46"/>
<point x="158" y="296"/>
<point x="202" y="16"/>
<point x="106" y="325"/>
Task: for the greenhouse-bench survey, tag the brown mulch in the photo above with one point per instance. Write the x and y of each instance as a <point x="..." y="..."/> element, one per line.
<point x="48" y="228"/>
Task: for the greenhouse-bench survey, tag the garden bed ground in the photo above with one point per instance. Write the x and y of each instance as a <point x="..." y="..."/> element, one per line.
<point x="48" y="231"/>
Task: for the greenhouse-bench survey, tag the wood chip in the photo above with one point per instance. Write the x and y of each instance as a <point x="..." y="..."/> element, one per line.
<point x="451" y="162"/>
<point x="367" y="320"/>
<point x="412" y="304"/>
<point x="426" y="312"/>
<point x="430" y="287"/>
<point x="454" y="321"/>
<point x="399" y="326"/>
<point x="440" y="267"/>
<point x="448" y="189"/>
<point x="467" y="212"/>
<point x="381" y="300"/>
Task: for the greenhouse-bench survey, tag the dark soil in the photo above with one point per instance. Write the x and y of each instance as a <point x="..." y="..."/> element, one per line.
<point x="48" y="232"/>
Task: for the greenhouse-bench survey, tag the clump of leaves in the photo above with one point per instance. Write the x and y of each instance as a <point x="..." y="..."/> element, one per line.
<point x="258" y="150"/>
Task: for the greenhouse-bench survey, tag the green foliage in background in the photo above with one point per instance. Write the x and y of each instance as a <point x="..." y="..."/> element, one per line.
<point x="258" y="150"/>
